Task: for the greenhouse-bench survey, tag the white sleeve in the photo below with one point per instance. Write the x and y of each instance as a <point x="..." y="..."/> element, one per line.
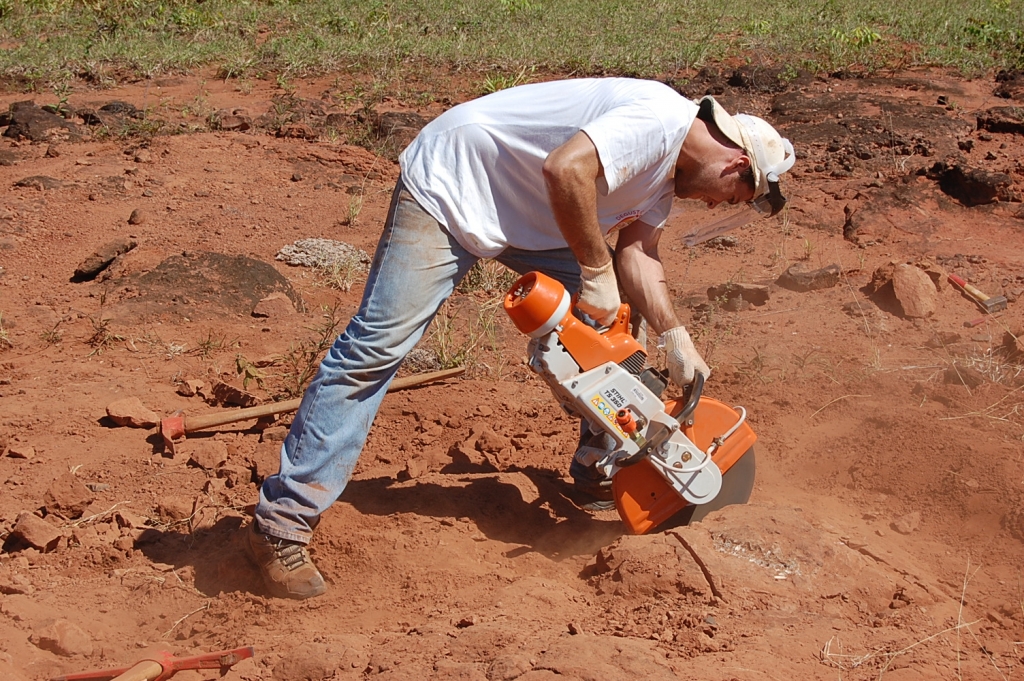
<point x="629" y="140"/>
<point x="657" y="216"/>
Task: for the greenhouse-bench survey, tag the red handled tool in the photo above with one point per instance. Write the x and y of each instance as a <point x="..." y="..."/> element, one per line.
<point x="162" y="665"/>
<point x="990" y="304"/>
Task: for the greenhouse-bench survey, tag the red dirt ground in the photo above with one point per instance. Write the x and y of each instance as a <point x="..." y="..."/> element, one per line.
<point x="885" y="536"/>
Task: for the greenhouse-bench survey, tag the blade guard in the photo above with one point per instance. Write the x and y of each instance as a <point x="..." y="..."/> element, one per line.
<point x="644" y="499"/>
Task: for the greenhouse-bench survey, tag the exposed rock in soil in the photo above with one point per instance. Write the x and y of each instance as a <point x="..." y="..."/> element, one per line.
<point x="225" y="394"/>
<point x="67" y="496"/>
<point x="198" y="284"/>
<point x="274" y="306"/>
<point x="908" y="524"/>
<point x="398" y="128"/>
<point x="102" y="257"/>
<point x="40" y="182"/>
<point x="207" y="454"/>
<point x="738" y="297"/>
<point x="1009" y="119"/>
<point x="31" y="122"/>
<point x="972" y="186"/>
<point x="798" y="277"/>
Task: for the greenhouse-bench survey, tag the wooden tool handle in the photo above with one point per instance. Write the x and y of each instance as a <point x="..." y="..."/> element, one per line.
<point x="194" y="423"/>
<point x="147" y="670"/>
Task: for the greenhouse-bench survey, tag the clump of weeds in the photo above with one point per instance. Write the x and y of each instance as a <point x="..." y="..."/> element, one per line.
<point x="302" y="359"/>
<point x="102" y="337"/>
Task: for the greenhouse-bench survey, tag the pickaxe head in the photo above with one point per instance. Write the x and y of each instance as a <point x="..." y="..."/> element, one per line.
<point x="173" y="430"/>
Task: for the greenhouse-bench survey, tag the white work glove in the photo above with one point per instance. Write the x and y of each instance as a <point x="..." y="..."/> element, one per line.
<point x="599" y="293"/>
<point x="682" y="358"/>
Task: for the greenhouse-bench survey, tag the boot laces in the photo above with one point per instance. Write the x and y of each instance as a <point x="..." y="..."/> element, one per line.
<point x="291" y="554"/>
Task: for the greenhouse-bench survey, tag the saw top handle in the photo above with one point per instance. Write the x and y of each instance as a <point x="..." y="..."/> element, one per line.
<point x="685" y="417"/>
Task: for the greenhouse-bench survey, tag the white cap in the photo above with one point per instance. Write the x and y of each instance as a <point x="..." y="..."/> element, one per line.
<point x="770" y="153"/>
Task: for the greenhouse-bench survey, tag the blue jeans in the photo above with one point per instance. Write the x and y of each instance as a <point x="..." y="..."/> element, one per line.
<point x="416" y="267"/>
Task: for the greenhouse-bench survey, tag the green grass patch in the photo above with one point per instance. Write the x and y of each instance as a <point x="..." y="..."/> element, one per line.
<point x="46" y="41"/>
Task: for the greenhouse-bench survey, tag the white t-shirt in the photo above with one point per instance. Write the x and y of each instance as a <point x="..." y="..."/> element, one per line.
<point x="476" y="169"/>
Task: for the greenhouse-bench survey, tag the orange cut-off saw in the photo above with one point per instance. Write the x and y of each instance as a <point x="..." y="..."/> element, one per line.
<point x="675" y="458"/>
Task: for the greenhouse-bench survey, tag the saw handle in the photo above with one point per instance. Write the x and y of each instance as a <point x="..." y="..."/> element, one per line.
<point x="685" y="417"/>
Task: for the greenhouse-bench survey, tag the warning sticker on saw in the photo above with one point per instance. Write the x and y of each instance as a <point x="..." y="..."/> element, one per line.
<point x="606" y="409"/>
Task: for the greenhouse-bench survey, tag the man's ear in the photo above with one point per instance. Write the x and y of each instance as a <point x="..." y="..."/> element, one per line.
<point x="737" y="164"/>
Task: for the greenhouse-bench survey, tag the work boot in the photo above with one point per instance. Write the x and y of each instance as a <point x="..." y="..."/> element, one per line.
<point x="592" y="490"/>
<point x="287" y="569"/>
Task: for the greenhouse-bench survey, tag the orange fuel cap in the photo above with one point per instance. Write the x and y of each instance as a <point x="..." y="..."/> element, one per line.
<point x="537" y="303"/>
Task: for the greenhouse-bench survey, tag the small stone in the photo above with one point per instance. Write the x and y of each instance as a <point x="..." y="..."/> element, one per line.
<point x="296" y="177"/>
<point x="488" y="441"/>
<point x="137" y="217"/>
<point x="275" y="306"/>
<point x="274" y="434"/>
<point x="36" y="532"/>
<point x="908" y="523"/>
<point x="415" y="467"/>
<point x="143" y="156"/>
<point x="915" y="291"/>
<point x="801" y="279"/>
<point x="67" y="496"/>
<point x="208" y="454"/>
<point x="190" y="387"/>
<point x="52" y="151"/>
<point x="97" y="486"/>
<point x="228" y="395"/>
<point x="174" y="508"/>
<point x="64" y="638"/>
<point x="131" y="412"/>
<point x="469" y="621"/>
<point x="21" y="451"/>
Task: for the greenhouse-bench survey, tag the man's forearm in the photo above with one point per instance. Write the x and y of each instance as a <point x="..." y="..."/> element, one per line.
<point x="642" y="277"/>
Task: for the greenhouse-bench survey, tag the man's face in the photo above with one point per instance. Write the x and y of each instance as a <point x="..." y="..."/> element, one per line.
<point x="716" y="183"/>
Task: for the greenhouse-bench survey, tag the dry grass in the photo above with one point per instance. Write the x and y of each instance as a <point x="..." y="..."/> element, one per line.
<point x="5" y="339"/>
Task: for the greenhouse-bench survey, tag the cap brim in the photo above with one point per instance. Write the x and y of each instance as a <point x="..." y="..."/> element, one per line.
<point x="736" y="134"/>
